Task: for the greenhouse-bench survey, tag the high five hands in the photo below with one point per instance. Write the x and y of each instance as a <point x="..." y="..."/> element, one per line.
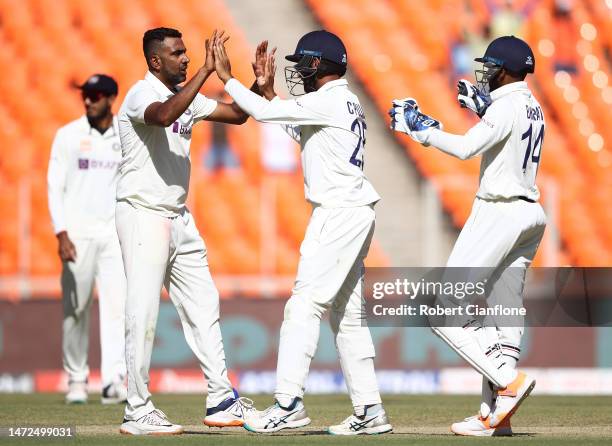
<point x="264" y="66"/>
<point x="217" y="36"/>
<point x="264" y="69"/>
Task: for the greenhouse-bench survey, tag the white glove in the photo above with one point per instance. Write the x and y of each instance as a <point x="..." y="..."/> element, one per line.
<point x="470" y="97"/>
<point x="406" y="118"/>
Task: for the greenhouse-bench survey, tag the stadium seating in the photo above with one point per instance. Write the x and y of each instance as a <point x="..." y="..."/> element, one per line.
<point x="52" y="44"/>
<point x="400" y="48"/>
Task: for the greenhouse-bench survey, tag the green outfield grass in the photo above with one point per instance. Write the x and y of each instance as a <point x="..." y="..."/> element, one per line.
<point x="422" y="420"/>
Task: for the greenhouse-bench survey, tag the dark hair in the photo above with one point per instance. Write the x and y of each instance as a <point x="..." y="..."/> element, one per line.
<point x="156" y="35"/>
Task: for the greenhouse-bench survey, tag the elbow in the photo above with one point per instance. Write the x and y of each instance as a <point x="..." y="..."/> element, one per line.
<point x="242" y="119"/>
<point x="165" y="121"/>
<point x="162" y="118"/>
<point x="466" y="153"/>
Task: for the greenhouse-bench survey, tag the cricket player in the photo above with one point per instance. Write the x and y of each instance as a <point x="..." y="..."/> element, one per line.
<point x="329" y="123"/>
<point x="82" y="182"/>
<point x="506" y="225"/>
<point x="160" y="243"/>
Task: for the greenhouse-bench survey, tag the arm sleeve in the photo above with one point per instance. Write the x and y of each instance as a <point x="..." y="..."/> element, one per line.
<point x="137" y="102"/>
<point x="202" y="107"/>
<point x="56" y="181"/>
<point x="292" y="111"/>
<point x="493" y="128"/>
<point x="293" y="131"/>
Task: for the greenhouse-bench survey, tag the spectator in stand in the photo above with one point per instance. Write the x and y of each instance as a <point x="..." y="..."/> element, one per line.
<point x="565" y="37"/>
<point x="220" y="155"/>
<point x="507" y="18"/>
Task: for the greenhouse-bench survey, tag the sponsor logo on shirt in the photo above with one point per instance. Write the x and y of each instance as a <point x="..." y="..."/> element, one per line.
<point x="85" y="164"/>
<point x="184" y="123"/>
<point x="181" y="129"/>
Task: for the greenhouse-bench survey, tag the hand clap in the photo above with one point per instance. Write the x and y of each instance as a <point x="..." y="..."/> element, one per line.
<point x="223" y="66"/>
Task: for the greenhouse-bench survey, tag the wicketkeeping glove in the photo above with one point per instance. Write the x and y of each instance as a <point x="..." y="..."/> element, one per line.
<point x="470" y="97"/>
<point x="406" y="118"/>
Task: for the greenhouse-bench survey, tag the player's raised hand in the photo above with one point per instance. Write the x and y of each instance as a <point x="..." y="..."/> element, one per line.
<point x="259" y="64"/>
<point x="470" y="97"/>
<point x="66" y="250"/>
<point x="223" y="66"/>
<point x="209" y="62"/>
<point x="407" y="118"/>
<point x="266" y="83"/>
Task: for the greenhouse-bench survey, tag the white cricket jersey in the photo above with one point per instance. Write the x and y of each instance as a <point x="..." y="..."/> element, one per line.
<point x="331" y="128"/>
<point x="155" y="169"/>
<point x="82" y="179"/>
<point x="509" y="136"/>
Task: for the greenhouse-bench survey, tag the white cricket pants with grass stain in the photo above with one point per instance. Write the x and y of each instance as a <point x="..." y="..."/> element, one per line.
<point x="97" y="260"/>
<point x="159" y="251"/>
<point x="330" y="275"/>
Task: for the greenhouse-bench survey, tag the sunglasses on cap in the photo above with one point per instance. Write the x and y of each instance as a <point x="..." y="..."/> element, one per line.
<point x="93" y="96"/>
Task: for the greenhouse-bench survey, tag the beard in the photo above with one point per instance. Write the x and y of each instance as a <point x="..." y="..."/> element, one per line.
<point x="94" y="114"/>
<point x="175" y="77"/>
<point x="494" y="82"/>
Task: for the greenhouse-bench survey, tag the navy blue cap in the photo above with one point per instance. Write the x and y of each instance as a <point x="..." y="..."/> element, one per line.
<point x="321" y="44"/>
<point x="102" y="83"/>
<point x="511" y="53"/>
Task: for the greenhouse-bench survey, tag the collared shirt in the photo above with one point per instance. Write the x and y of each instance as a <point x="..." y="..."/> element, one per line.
<point x="331" y="128"/>
<point x="82" y="179"/>
<point x="156" y="165"/>
<point x="509" y="137"/>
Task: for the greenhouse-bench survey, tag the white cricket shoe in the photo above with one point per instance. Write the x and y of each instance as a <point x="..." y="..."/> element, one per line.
<point x="477" y="426"/>
<point x="230" y="413"/>
<point x="275" y="418"/>
<point x="77" y="393"/>
<point x="509" y="399"/>
<point x="373" y="422"/>
<point x="154" y="423"/>
<point x="114" y="393"/>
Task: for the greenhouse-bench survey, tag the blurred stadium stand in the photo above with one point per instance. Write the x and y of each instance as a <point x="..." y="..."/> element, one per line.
<point x="253" y="221"/>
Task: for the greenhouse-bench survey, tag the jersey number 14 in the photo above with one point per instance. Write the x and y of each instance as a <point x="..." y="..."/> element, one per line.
<point x="534" y="150"/>
<point x="358" y="127"/>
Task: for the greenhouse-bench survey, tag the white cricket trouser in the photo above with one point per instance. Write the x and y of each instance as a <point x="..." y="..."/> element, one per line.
<point x="330" y="274"/>
<point x="159" y="251"/>
<point x="504" y="235"/>
<point x="499" y="241"/>
<point x="97" y="259"/>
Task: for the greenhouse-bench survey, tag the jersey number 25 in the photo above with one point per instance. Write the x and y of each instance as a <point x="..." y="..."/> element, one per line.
<point x="358" y="127"/>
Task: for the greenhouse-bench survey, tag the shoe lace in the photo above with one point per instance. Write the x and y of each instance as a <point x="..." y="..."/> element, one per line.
<point x="246" y="404"/>
<point x="269" y="409"/>
<point x="156" y="416"/>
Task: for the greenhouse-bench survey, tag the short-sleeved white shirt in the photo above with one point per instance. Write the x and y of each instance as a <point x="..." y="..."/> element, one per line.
<point x="155" y="166"/>
<point x="82" y="179"/>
